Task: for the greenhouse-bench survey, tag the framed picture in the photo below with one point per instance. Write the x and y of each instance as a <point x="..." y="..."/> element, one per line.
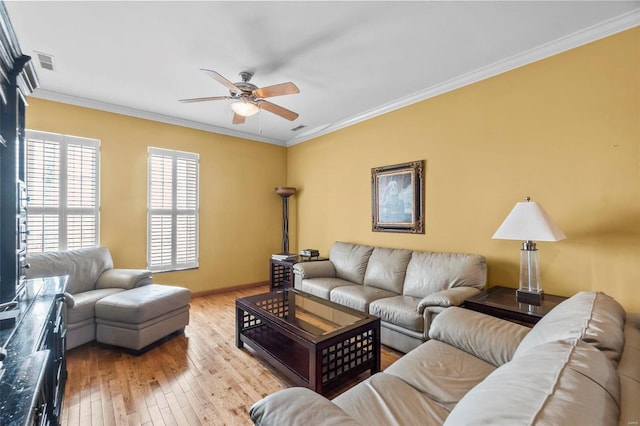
<point x="397" y="198"/>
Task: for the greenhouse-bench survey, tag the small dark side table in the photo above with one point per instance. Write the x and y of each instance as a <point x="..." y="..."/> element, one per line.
<point x="281" y="271"/>
<point x="501" y="302"/>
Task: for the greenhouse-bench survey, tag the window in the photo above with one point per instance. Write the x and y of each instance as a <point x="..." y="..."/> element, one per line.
<point x="172" y="223"/>
<point x="62" y="185"/>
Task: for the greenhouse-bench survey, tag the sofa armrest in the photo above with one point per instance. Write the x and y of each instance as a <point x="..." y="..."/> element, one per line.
<point x="491" y="339"/>
<point x="320" y="269"/>
<point x="449" y="297"/>
<point x="124" y="278"/>
<point x="298" y="406"/>
<point x="629" y="371"/>
<point x="69" y="300"/>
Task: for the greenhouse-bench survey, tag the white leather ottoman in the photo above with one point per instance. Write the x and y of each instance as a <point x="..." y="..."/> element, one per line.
<point x="137" y="318"/>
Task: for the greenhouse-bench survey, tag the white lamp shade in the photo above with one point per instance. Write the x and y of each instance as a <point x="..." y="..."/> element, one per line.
<point x="245" y="108"/>
<point x="529" y="221"/>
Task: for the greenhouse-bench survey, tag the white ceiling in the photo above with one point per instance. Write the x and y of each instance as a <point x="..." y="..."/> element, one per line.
<point x="351" y="60"/>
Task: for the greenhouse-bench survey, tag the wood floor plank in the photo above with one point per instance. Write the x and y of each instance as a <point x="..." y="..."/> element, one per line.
<point x="156" y="418"/>
<point x="119" y="411"/>
<point x="108" y="413"/>
<point x="168" y="416"/>
<point x="204" y="412"/>
<point x="176" y="409"/>
<point x="133" y="419"/>
<point x="96" y="413"/>
<point x="196" y="378"/>
<point x="72" y="414"/>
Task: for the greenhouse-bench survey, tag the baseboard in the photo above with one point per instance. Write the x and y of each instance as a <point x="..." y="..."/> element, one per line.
<point x="228" y="289"/>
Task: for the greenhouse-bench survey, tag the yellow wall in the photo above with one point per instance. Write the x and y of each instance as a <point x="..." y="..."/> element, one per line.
<point x="240" y="213"/>
<point x="564" y="130"/>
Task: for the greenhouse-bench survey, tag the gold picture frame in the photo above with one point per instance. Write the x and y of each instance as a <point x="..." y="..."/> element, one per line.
<point x="397" y="198"/>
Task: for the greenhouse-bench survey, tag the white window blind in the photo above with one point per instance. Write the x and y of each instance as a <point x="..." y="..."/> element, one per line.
<point x="63" y="188"/>
<point x="172" y="235"/>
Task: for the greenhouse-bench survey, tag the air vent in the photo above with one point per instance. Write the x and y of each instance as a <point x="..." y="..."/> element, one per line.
<point x="295" y="129"/>
<point x="45" y="60"/>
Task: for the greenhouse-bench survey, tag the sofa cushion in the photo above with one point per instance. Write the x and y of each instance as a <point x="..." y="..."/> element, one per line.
<point x="89" y="323"/>
<point x="357" y="296"/>
<point x="350" y="261"/>
<point x="83" y="266"/>
<point x="491" y="339"/>
<point x="85" y="302"/>
<point x="450" y="297"/>
<point x="384" y="399"/>
<point x="442" y="372"/>
<point x="399" y="310"/>
<point x="590" y="316"/>
<point x="298" y="406"/>
<point x="386" y="269"/>
<point x="556" y="383"/>
<point x="431" y="272"/>
<point x="322" y="287"/>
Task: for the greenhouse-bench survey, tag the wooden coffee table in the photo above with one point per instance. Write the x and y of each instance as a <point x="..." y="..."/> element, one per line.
<point x="314" y="342"/>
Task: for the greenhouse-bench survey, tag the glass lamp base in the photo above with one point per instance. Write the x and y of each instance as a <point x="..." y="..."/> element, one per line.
<point x="530" y="290"/>
<point x="529" y="297"/>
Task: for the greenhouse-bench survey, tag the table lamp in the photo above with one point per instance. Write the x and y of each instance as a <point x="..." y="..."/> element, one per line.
<point x="529" y="221"/>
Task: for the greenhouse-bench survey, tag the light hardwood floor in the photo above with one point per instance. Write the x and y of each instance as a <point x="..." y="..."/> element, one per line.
<point x="196" y="378"/>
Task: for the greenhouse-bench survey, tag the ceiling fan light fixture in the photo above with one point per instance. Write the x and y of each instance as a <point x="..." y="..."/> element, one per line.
<point x="245" y="108"/>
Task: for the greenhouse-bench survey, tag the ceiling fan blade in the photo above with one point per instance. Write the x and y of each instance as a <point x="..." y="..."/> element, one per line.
<point x="278" y="110"/>
<point x="277" y="90"/>
<point x="210" y="98"/>
<point x="220" y="79"/>
<point x="238" y="119"/>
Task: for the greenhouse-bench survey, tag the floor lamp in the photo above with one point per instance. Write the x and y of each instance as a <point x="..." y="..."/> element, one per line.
<point x="285" y="192"/>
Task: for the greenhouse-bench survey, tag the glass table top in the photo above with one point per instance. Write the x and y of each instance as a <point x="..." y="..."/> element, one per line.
<point x="306" y="312"/>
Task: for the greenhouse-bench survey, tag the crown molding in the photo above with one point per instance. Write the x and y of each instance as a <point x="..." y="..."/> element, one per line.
<point x="147" y="115"/>
<point x="577" y="39"/>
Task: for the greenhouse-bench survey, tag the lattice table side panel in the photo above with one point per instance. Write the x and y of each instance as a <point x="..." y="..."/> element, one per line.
<point x="281" y="274"/>
<point x="346" y="355"/>
<point x="277" y="306"/>
<point x="249" y="321"/>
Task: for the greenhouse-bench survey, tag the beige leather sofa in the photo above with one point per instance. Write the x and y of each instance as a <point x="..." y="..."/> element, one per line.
<point x="405" y="288"/>
<point x="119" y="306"/>
<point x="580" y="365"/>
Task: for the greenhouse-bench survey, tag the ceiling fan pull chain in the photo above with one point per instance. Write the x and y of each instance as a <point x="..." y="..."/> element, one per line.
<point x="260" y="118"/>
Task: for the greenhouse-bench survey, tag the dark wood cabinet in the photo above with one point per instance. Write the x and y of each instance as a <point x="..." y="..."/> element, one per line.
<point x="17" y="80"/>
<point x="54" y="341"/>
<point x="32" y="338"/>
<point x="34" y="372"/>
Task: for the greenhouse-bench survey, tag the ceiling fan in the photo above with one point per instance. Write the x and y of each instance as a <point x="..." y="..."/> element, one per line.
<point x="248" y="98"/>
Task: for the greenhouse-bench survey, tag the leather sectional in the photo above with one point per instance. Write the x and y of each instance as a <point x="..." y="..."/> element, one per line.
<point x="580" y="365"/>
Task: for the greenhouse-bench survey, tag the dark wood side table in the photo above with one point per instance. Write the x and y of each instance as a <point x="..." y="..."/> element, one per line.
<point x="281" y="271"/>
<point x="281" y="274"/>
<point x="501" y="302"/>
